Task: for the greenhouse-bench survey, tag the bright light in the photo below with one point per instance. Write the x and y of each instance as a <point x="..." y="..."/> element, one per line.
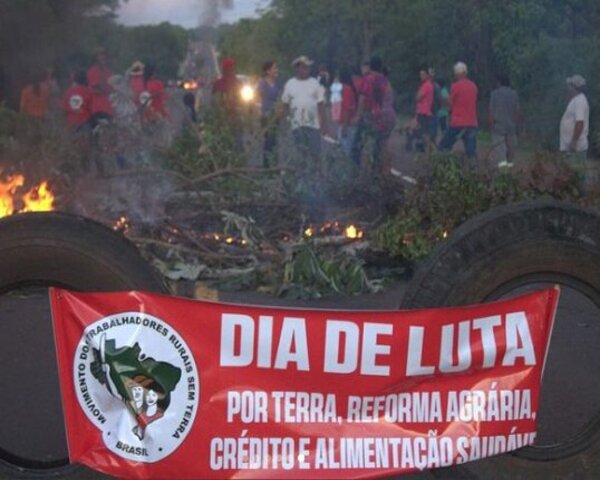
<point x="351" y="232"/>
<point x="247" y="93"/>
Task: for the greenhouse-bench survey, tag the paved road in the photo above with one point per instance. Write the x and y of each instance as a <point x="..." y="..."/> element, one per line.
<point x="31" y="417"/>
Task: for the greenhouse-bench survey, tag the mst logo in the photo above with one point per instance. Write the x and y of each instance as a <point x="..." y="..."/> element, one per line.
<point x="136" y="380"/>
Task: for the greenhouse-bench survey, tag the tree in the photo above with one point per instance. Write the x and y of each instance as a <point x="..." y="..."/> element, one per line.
<point x="36" y="33"/>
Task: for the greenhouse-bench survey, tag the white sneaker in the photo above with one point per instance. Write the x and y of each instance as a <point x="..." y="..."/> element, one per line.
<point x="503" y="164"/>
<point x="395" y="173"/>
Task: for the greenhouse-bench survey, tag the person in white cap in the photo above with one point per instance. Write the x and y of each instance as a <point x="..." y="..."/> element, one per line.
<point x="463" y="115"/>
<point x="303" y="102"/>
<point x="574" y="125"/>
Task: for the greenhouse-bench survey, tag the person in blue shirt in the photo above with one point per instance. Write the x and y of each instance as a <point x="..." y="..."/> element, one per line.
<point x="269" y="89"/>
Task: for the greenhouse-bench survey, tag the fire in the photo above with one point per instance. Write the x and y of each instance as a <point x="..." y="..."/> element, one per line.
<point x="8" y="190"/>
<point x="121" y="225"/>
<point x="331" y="228"/>
<point x="38" y="199"/>
<point x="353" y="233"/>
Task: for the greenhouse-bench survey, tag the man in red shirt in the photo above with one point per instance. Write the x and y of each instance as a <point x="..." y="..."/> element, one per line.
<point x="77" y="101"/>
<point x="463" y="116"/>
<point x="226" y="89"/>
<point x="424" y="107"/>
<point x="97" y="77"/>
<point x="149" y="95"/>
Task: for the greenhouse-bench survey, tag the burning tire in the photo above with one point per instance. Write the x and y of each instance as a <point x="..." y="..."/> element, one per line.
<point x="509" y="250"/>
<point x="56" y="249"/>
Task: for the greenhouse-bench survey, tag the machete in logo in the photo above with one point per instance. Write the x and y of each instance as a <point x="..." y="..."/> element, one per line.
<point x="136" y="380"/>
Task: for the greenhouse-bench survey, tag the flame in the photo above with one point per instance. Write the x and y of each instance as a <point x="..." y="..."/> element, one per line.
<point x="229" y="240"/>
<point x="330" y="226"/>
<point x="309" y="232"/>
<point x="445" y="234"/>
<point x="7" y="193"/>
<point x="191" y="85"/>
<point x="353" y="232"/>
<point x="38" y="199"/>
<point x="121" y="225"/>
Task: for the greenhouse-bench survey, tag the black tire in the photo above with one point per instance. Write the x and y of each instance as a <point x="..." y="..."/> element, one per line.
<point x="489" y="256"/>
<point x="63" y="250"/>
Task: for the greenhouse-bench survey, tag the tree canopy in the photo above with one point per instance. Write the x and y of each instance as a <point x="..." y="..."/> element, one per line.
<point x="36" y="34"/>
<point x="537" y="43"/>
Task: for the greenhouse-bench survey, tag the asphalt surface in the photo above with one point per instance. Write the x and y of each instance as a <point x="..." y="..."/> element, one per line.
<point x="31" y="416"/>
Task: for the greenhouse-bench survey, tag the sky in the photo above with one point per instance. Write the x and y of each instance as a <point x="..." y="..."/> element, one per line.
<point x="181" y="12"/>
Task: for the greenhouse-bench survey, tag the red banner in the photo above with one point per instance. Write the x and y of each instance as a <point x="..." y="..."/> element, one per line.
<point x="163" y="387"/>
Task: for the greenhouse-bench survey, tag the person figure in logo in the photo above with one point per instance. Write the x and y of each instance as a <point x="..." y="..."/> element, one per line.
<point x="142" y="383"/>
<point x="153" y="411"/>
<point x="137" y="398"/>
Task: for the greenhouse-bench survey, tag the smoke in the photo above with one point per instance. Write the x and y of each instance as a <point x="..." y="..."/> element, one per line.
<point x="210" y="13"/>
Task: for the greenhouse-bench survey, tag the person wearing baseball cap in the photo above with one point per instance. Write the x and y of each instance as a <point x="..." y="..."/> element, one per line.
<point x="226" y="88"/>
<point x="574" y="125"/>
<point x="303" y="103"/>
<point x="302" y="60"/>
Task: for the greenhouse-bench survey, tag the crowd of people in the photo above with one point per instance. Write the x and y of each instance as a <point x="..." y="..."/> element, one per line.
<point x="91" y="96"/>
<point x="348" y="107"/>
<point x="361" y="105"/>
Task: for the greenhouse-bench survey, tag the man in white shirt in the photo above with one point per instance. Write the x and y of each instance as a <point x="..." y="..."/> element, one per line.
<point x="303" y="102"/>
<point x="574" y="125"/>
<point x="574" y="130"/>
